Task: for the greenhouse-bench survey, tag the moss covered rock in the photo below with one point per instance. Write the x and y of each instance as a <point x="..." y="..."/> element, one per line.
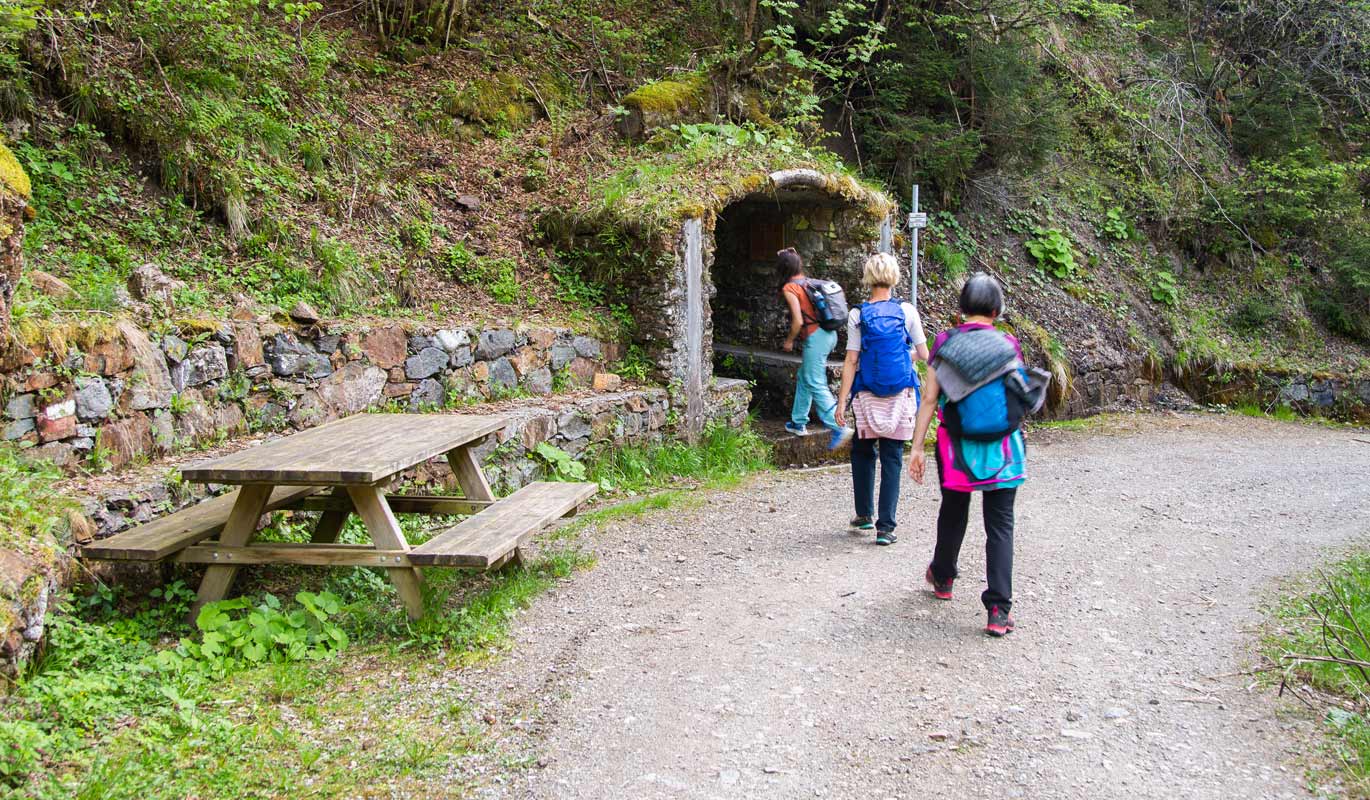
<point x="498" y="103"/>
<point x="12" y="176"/>
<point x="665" y="103"/>
<point x="14" y="195"/>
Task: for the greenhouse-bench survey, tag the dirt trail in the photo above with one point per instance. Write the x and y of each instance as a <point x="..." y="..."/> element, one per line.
<point x="751" y="647"/>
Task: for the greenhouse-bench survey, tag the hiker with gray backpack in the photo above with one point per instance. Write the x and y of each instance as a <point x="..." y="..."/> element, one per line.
<point x="980" y="391"/>
<point x="818" y="309"/>
<point x="884" y="338"/>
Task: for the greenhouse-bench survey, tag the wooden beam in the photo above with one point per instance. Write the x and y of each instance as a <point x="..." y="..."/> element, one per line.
<point x="400" y="504"/>
<point x="466" y="467"/>
<point x="386" y="533"/>
<point x="238" y="531"/>
<point x="317" y="555"/>
<point x="331" y="521"/>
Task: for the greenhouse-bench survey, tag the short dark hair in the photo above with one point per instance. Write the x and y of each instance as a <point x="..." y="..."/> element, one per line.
<point x="982" y="296"/>
<point x="788" y="263"/>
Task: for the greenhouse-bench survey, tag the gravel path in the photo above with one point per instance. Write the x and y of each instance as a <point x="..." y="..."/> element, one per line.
<point x="752" y="647"/>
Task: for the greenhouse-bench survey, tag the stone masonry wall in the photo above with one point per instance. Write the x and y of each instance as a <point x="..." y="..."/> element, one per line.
<point x="576" y="425"/>
<point x="133" y="394"/>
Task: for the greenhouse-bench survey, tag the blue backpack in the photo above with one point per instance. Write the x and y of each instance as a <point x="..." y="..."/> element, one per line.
<point x="991" y="412"/>
<point x="995" y="390"/>
<point x="885" y="366"/>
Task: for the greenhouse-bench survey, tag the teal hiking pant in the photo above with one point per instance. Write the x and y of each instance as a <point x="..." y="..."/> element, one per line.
<point x="811" y="388"/>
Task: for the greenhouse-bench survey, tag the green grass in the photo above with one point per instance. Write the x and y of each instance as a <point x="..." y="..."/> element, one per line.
<point x="722" y="457"/>
<point x="1331" y="618"/>
<point x="106" y="715"/>
<point x="129" y="702"/>
<point x="1281" y="412"/>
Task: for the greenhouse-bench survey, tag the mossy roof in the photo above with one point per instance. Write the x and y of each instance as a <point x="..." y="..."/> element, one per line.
<point x="12" y="176"/>
<point x="653" y="192"/>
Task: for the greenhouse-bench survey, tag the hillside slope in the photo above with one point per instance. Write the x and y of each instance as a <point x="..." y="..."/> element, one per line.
<point x="1174" y="185"/>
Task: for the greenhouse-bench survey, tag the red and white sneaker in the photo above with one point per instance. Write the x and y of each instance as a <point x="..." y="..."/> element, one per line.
<point x="940" y="589"/>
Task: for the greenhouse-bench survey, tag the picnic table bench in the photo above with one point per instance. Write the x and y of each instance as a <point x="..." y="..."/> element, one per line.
<point x="338" y="469"/>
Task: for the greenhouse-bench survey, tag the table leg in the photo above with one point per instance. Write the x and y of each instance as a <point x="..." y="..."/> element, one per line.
<point x="469" y="475"/>
<point x="237" y="532"/>
<point x="330" y="522"/>
<point x="386" y="534"/>
<point x="471" y="478"/>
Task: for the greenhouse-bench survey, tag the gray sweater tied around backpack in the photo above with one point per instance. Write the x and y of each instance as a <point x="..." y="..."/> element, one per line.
<point x="968" y="360"/>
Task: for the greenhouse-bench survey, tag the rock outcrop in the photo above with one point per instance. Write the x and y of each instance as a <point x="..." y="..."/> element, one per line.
<point x="15" y="191"/>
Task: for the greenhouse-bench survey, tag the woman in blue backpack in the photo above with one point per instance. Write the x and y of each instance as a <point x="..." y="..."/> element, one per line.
<point x="971" y="389"/>
<point x="884" y="338"/>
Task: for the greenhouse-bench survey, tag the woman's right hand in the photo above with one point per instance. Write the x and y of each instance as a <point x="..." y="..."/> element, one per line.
<point x="918" y="464"/>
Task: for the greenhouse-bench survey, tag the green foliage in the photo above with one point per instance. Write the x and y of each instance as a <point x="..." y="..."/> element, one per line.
<point x="808" y="52"/>
<point x="1116" y="226"/>
<point x="263" y="632"/>
<point x="722" y="456"/>
<point x="1298" y="191"/>
<point x="562" y="465"/>
<point x="1163" y="287"/>
<point x="636" y="365"/>
<point x="497" y="276"/>
<point x="1283" y="413"/>
<point x="105" y="663"/>
<point x="17" y="19"/>
<point x="481" y="620"/>
<point x="237" y="86"/>
<point x="707" y="134"/>
<point x="94" y="223"/>
<point x="1329" y="621"/>
<point x="30" y="505"/>
<point x="1052" y="250"/>
<point x="1346" y="310"/>
<point x="1254" y="313"/>
<point x="954" y="262"/>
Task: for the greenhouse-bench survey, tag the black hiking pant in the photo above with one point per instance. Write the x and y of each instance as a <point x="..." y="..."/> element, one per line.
<point x="951" y="530"/>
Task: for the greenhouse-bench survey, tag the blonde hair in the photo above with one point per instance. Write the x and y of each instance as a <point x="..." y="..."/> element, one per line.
<point x="881" y="269"/>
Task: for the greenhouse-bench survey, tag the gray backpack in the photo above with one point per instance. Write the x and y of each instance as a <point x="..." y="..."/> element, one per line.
<point x="829" y="302"/>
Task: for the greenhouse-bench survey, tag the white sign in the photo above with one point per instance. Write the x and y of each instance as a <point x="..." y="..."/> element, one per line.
<point x="918" y="220"/>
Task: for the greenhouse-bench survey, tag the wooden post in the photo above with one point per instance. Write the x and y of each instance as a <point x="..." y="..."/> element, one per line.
<point x="469" y="475"/>
<point x="471" y="478"/>
<point x="237" y="532"/>
<point x="386" y="534"/>
<point x="331" y="522"/>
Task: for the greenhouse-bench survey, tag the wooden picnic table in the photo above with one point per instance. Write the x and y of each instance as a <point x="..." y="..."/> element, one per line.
<point x="339" y="469"/>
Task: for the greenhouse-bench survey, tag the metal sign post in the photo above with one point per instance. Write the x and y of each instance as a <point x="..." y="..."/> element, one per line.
<point x="917" y="221"/>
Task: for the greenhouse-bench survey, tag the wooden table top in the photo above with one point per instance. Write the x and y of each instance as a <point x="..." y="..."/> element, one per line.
<point x="360" y="449"/>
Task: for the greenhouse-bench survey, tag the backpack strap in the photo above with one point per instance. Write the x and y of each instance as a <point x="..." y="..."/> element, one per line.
<point x="804" y="315"/>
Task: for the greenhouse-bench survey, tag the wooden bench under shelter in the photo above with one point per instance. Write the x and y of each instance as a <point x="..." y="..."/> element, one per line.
<point x="338" y="469"/>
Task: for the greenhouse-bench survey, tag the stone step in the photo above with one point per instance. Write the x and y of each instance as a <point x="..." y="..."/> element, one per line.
<point x="772" y="374"/>
<point x="810" y="450"/>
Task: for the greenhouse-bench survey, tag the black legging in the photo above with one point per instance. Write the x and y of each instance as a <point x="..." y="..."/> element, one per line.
<point x="951" y="530"/>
